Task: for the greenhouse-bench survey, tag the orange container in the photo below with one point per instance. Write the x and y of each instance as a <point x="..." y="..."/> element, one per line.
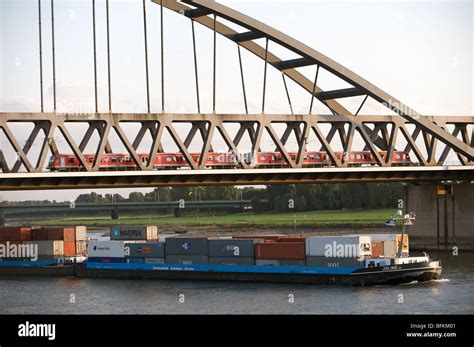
<point x="69" y="248"/>
<point x="377" y="249"/>
<point x="280" y="250"/>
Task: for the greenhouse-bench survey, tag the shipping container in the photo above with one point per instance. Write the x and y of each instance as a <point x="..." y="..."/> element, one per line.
<point x="134" y="232"/>
<point x="231" y="261"/>
<point x="154" y="260"/>
<point x="391" y="243"/>
<point x="333" y="261"/>
<point x="15" y="234"/>
<point x="81" y="247"/>
<point x="105" y="260"/>
<point x="106" y="249"/>
<point x="145" y="250"/>
<point x="69" y="248"/>
<point x="290" y="238"/>
<point x="339" y="246"/>
<point x="280" y="250"/>
<point x="187" y="259"/>
<point x="52" y="248"/>
<point x="377" y="249"/>
<point x="54" y="233"/>
<point x="267" y="262"/>
<point x="272" y="237"/>
<point x="231" y="248"/>
<point x="185" y="246"/>
<point x="135" y="260"/>
<point x="81" y="233"/>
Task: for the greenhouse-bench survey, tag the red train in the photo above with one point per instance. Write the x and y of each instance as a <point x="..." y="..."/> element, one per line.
<point x="69" y="162"/>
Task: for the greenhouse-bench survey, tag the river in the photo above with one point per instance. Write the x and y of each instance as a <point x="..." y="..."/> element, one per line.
<point x="452" y="294"/>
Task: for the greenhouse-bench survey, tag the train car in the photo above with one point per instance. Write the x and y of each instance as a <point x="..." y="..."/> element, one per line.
<point x="173" y="161"/>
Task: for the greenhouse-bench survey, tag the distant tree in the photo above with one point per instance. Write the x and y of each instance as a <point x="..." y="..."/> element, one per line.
<point x="136" y="197"/>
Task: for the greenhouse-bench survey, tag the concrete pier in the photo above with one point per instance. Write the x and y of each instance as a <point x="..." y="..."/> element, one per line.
<point x="444" y="214"/>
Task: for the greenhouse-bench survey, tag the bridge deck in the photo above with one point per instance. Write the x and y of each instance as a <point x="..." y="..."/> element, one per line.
<point x="122" y="179"/>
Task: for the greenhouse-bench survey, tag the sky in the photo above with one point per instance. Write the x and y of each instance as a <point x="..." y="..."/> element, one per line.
<point x="421" y="52"/>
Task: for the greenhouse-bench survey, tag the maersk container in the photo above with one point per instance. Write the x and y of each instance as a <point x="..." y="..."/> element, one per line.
<point x="333" y="261"/>
<point x="350" y="246"/>
<point x="154" y="260"/>
<point x="53" y="248"/>
<point x="135" y="260"/>
<point x="187" y="259"/>
<point x="186" y="246"/>
<point x="145" y="250"/>
<point x="273" y="262"/>
<point x="134" y="232"/>
<point x="231" y="261"/>
<point x="106" y="249"/>
<point x="231" y="248"/>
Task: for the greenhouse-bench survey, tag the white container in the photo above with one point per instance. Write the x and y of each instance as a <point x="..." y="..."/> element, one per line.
<point x="48" y="248"/>
<point x="348" y="246"/>
<point x="81" y="233"/>
<point x="106" y="249"/>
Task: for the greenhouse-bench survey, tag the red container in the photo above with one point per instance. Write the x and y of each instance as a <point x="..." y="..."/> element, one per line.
<point x="280" y="250"/>
<point x="258" y="237"/>
<point x="39" y="234"/>
<point x="69" y="248"/>
<point x="291" y="239"/>
<point x="51" y="234"/>
<point x="15" y="234"/>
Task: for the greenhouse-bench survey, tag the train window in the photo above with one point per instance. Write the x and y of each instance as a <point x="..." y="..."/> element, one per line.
<point x="358" y="156"/>
<point x="168" y="158"/>
<point x="209" y="158"/>
<point x="312" y="156"/>
<point x="196" y="157"/>
<point x="90" y="159"/>
<point x="114" y="159"/>
<point x="262" y="157"/>
<point x="292" y="156"/>
<point x="280" y="157"/>
<point x="305" y="157"/>
<point x="71" y="160"/>
<point x="398" y="157"/>
<point x="106" y="159"/>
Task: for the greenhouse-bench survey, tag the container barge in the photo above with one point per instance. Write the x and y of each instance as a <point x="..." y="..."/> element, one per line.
<point x="137" y="252"/>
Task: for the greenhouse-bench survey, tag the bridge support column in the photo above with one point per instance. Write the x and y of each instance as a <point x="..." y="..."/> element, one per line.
<point x="444" y="215"/>
<point x="114" y="214"/>
<point x="2" y="217"/>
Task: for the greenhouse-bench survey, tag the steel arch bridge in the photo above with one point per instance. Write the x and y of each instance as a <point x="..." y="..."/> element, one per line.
<point x="428" y="139"/>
